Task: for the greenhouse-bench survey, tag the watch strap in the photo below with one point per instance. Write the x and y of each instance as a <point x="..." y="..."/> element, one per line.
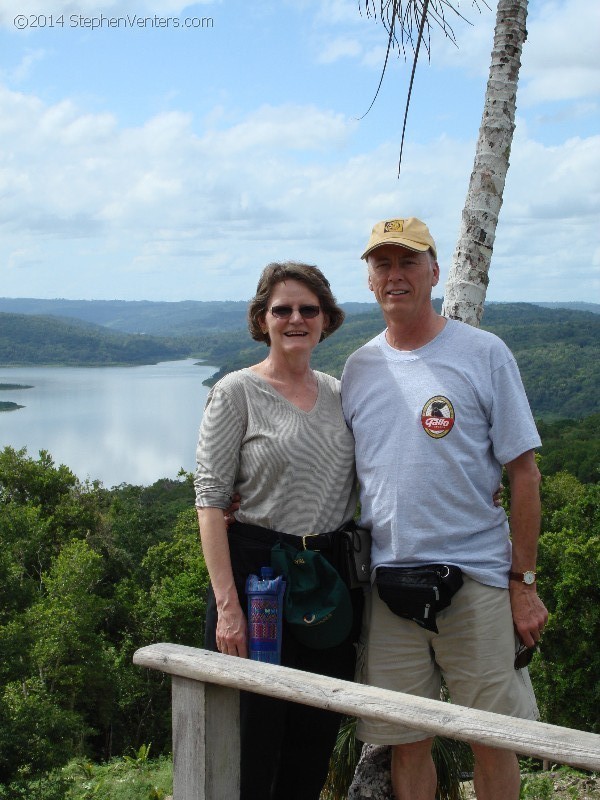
<point x="520" y="576"/>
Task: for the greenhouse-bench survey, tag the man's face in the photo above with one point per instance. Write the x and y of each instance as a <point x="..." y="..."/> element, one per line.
<point x="402" y="279"/>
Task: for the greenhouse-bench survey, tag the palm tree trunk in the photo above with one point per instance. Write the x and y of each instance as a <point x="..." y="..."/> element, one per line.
<point x="468" y="278"/>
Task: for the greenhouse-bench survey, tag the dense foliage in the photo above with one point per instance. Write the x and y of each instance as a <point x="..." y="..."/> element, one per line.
<point x="88" y="575"/>
<point x="185" y="318"/>
<point x="572" y="445"/>
<point x="566" y="672"/>
<point x="8" y="406"/>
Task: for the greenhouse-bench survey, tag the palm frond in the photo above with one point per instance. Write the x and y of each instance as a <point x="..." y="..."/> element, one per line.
<point x="343" y="762"/>
<point x="453" y="759"/>
<point x="400" y="18"/>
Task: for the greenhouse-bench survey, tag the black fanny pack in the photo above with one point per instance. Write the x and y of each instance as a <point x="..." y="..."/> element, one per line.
<point x="418" y="593"/>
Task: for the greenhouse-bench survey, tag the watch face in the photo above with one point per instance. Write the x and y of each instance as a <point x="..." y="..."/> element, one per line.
<point x="529" y="577"/>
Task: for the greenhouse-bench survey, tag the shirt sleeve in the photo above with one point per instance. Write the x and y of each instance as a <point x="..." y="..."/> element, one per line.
<point x="513" y="430"/>
<point x="218" y="453"/>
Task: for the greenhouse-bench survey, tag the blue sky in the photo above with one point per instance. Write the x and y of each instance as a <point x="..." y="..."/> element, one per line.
<point x="171" y="163"/>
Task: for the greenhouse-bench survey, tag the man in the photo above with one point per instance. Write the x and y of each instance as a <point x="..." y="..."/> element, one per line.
<point x="436" y="408"/>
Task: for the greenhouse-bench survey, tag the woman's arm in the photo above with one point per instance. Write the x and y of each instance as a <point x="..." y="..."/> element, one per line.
<point x="231" y="622"/>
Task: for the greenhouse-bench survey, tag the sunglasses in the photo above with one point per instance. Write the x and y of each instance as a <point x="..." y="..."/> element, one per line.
<point x="524" y="655"/>
<point x="285" y="312"/>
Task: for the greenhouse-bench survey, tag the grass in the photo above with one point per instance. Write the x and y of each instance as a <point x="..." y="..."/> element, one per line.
<point x="132" y="778"/>
<point x="135" y="777"/>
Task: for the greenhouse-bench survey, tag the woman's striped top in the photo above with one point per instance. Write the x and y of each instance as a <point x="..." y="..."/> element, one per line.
<point x="294" y="469"/>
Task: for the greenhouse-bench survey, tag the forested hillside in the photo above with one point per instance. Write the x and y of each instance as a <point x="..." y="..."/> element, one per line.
<point x="558" y="352"/>
<point x="49" y="340"/>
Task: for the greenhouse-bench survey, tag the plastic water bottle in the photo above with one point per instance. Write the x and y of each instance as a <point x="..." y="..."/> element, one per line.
<point x="265" y="614"/>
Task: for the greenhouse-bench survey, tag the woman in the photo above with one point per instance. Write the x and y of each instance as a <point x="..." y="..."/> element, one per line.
<point x="275" y="434"/>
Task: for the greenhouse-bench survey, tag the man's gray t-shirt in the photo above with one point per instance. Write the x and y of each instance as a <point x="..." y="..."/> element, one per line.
<point x="432" y="429"/>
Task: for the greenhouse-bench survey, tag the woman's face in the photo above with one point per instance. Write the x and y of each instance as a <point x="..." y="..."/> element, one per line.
<point x="294" y="333"/>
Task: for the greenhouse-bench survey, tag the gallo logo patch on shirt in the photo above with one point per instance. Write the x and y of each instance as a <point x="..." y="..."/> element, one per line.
<point x="437" y="417"/>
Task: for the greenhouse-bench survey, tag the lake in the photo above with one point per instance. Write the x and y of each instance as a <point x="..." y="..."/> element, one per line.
<point x="115" y="424"/>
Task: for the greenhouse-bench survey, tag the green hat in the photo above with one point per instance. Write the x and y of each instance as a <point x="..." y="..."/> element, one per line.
<point x="317" y="605"/>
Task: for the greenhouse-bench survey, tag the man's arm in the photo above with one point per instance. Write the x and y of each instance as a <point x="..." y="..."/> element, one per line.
<point x="529" y="613"/>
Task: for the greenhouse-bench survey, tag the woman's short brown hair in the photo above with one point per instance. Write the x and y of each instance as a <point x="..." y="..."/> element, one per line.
<point x="311" y="277"/>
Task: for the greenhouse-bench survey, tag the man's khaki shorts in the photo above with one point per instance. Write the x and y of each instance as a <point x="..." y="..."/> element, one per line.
<point x="474" y="651"/>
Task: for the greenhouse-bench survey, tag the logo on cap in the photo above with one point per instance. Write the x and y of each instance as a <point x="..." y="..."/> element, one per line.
<point x="437" y="417"/>
<point x="394" y="226"/>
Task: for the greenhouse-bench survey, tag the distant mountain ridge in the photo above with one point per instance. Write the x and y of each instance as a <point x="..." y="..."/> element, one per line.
<point x="138" y="316"/>
<point x="557" y="349"/>
<point x="45" y="340"/>
<point x="574" y="306"/>
<point x="184" y="318"/>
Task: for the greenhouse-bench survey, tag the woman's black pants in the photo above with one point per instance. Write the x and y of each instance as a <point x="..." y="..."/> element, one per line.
<point x="285" y="747"/>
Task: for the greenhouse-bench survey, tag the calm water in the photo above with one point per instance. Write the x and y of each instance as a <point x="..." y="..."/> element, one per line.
<point x="116" y="424"/>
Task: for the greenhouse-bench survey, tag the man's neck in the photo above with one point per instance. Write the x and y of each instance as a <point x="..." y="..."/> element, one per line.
<point x="412" y="334"/>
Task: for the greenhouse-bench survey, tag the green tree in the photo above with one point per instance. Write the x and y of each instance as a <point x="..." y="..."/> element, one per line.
<point x="57" y="508"/>
<point x="36" y="734"/>
<point x="66" y="622"/>
<point x="173" y="605"/>
<point x="165" y="601"/>
<point x="566" y="673"/>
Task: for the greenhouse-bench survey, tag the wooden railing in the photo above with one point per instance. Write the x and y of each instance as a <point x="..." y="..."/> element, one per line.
<point x="206" y="716"/>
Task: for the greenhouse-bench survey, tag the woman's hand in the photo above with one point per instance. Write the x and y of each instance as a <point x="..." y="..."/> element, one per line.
<point x="229" y="513"/>
<point x="497" y="496"/>
<point x="232" y="633"/>
<point x="231" y="629"/>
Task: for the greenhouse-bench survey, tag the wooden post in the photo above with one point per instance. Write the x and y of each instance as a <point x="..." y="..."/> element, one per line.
<point x="206" y="741"/>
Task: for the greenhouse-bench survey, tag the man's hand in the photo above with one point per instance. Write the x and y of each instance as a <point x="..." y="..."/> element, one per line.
<point x="529" y="613"/>
<point x="229" y="513"/>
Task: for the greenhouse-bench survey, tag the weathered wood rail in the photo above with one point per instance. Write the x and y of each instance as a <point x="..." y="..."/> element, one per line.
<point x="206" y="688"/>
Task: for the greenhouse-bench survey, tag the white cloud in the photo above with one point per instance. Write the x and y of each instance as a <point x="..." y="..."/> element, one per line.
<point x="337" y="12"/>
<point x="560" y="60"/>
<point x="547" y="238"/>
<point x="24" y="69"/>
<point x="181" y="206"/>
<point x="344" y="26"/>
<point x="560" y="56"/>
<point x="339" y="48"/>
<point x="278" y="129"/>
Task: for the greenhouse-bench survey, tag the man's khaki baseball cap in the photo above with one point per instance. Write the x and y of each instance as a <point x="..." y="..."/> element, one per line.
<point x="408" y="232"/>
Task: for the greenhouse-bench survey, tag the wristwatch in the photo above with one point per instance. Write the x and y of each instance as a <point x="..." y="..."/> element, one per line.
<point x="527" y="577"/>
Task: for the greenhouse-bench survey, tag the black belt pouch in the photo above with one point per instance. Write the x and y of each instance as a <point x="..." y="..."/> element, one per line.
<point x="417" y="593"/>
